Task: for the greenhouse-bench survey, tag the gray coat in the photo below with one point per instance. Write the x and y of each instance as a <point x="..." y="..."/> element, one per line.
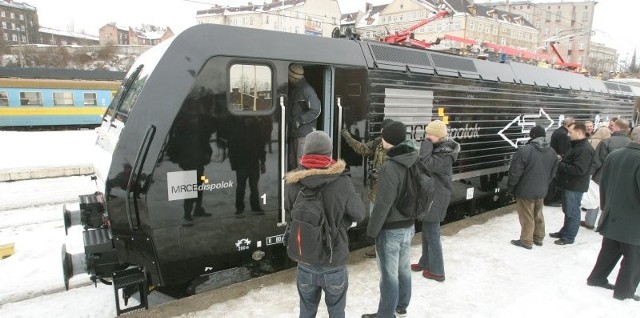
<point x="303" y="121"/>
<point x="532" y="168"/>
<point x="341" y="202"/>
<point x="385" y="215"/>
<point x="439" y="158"/>
<point x="617" y="140"/>
<point x="620" y="196"/>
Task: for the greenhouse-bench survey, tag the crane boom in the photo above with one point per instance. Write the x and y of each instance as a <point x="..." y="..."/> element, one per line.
<point x="406" y="35"/>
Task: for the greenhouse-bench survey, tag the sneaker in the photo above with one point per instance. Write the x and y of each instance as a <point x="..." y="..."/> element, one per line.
<point x="563" y="242"/>
<point x="417" y="268"/>
<point x="537" y="243"/>
<point x="188" y="218"/>
<point x="401" y="312"/>
<point x="605" y="285"/>
<point x="370" y="316"/>
<point x="584" y="224"/>
<point x="555" y="235"/>
<point x="520" y="244"/>
<point x="426" y="274"/>
<point x="634" y="297"/>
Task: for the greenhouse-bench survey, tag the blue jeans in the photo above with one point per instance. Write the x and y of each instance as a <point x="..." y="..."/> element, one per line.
<point x="394" y="250"/>
<point x="571" y="208"/>
<point x="591" y="216"/>
<point x="431" y="258"/>
<point x="311" y="280"/>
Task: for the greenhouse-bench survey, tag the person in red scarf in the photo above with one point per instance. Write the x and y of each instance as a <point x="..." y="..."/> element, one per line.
<point x="342" y="206"/>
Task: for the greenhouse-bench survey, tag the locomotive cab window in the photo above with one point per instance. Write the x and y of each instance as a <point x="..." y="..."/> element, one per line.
<point x="90" y="99"/>
<point x="30" y="98"/>
<point x="4" y="100"/>
<point x="63" y="99"/>
<point x="250" y="88"/>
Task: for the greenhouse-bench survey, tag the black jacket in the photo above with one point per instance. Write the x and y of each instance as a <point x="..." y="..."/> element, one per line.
<point x="385" y="215"/>
<point x="532" y="168"/>
<point x="439" y="158"/>
<point x="619" y="197"/>
<point x="573" y="170"/>
<point x="560" y="141"/>
<point x="342" y="204"/>
<point x="617" y="140"/>
<point x="303" y="121"/>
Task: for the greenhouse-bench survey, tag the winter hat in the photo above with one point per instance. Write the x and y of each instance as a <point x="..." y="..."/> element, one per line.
<point x="436" y="128"/>
<point x="317" y="143"/>
<point x="296" y="72"/>
<point x="385" y="122"/>
<point x="394" y="132"/>
<point x="536" y="132"/>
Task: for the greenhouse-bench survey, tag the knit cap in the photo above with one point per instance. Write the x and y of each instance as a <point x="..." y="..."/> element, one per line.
<point x="394" y="133"/>
<point x="537" y="131"/>
<point x="436" y="128"/>
<point x="317" y="143"/>
<point x="296" y="72"/>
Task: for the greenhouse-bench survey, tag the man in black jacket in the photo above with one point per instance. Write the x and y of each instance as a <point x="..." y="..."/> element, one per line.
<point x="617" y="140"/>
<point x="532" y="168"/>
<point x="391" y="229"/>
<point x="573" y="179"/>
<point x="560" y="143"/>
<point x="620" y="221"/>
<point x="342" y="206"/>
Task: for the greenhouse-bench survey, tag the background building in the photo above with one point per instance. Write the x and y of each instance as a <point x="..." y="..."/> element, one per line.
<point x="60" y="37"/>
<point x="18" y="23"/>
<point x="568" y="24"/>
<point x="470" y="27"/>
<point x="113" y="34"/>
<point x="602" y="60"/>
<point x="311" y="17"/>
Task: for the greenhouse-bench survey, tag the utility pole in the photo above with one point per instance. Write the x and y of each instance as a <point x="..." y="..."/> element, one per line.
<point x="20" y="56"/>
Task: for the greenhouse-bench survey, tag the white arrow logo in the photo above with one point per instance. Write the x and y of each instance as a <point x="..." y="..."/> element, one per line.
<point x="526" y="126"/>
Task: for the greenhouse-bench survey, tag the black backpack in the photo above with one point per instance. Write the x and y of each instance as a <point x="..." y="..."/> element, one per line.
<point x="417" y="195"/>
<point x="308" y="235"/>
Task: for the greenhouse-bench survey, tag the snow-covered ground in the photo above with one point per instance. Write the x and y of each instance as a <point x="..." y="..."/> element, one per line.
<point x="486" y="276"/>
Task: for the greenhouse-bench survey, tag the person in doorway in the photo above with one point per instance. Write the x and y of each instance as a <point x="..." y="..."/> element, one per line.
<point x="620" y="202"/>
<point x="342" y="206"/>
<point x="438" y="153"/>
<point x="532" y="168"/>
<point x="372" y="148"/>
<point x="618" y="139"/>
<point x="391" y="229"/>
<point x="573" y="179"/>
<point x="304" y="109"/>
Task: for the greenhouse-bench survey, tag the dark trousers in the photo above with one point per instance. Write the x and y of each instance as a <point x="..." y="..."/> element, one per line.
<point x="242" y="175"/>
<point x="629" y="273"/>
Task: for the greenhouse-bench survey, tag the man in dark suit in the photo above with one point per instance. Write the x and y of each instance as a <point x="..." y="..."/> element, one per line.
<point x="620" y="221"/>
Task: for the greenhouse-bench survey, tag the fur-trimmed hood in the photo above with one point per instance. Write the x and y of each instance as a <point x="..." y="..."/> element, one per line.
<point x="313" y="178"/>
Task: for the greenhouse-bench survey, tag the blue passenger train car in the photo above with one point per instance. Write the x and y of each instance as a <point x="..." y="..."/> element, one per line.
<point x="55" y="97"/>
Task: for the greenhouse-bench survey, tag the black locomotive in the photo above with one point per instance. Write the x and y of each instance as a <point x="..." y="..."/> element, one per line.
<point x="203" y="114"/>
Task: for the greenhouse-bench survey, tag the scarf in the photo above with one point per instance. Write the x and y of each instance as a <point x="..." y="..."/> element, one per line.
<point x="316" y="161"/>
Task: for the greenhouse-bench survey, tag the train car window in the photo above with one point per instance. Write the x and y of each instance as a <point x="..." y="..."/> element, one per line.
<point x="63" y="99"/>
<point x="250" y="88"/>
<point x="119" y="96"/>
<point x="90" y="99"/>
<point x="4" y="100"/>
<point x="30" y="98"/>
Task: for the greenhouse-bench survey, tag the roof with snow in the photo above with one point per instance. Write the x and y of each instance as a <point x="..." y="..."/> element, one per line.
<point x="18" y="5"/>
<point x="247" y="9"/>
<point x="68" y="33"/>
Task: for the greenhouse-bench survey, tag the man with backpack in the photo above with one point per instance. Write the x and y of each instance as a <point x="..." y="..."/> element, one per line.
<point x="322" y="204"/>
<point x="391" y="229"/>
<point x="438" y="153"/>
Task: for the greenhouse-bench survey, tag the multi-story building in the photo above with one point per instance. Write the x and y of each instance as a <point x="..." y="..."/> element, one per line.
<point x="469" y="25"/>
<point x="602" y="60"/>
<point x="59" y="37"/>
<point x="18" y="23"/>
<point x="113" y="34"/>
<point x="567" y="24"/>
<point x="312" y="17"/>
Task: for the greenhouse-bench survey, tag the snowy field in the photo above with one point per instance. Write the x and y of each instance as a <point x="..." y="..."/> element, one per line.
<point x="486" y="275"/>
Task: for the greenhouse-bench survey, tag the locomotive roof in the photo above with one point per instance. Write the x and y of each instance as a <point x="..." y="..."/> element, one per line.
<point x="63" y="74"/>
